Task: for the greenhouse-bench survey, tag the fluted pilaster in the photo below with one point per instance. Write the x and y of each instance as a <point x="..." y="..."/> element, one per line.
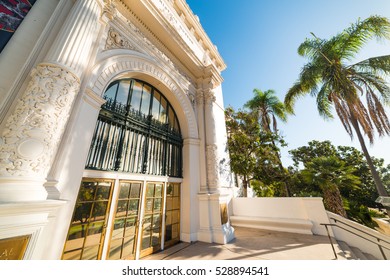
<point x="33" y="131"/>
<point x="72" y="46"/>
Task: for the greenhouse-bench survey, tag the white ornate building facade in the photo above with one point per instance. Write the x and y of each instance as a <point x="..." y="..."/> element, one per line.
<point x="112" y="133"/>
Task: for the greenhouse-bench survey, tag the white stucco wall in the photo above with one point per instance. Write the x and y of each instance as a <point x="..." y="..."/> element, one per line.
<point x="299" y="208"/>
<point x="48" y="37"/>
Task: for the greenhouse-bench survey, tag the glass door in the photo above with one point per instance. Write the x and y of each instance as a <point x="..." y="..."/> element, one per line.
<point x="136" y="219"/>
<point x="172" y="215"/>
<point x="89" y="222"/>
<point x="124" y="233"/>
<point x="151" y="223"/>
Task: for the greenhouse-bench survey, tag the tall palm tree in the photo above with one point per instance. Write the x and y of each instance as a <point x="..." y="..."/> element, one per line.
<point x="337" y="83"/>
<point x="330" y="174"/>
<point x="267" y="106"/>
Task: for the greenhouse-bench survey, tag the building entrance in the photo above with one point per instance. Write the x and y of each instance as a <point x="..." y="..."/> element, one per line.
<point x="121" y="219"/>
<point x="137" y="132"/>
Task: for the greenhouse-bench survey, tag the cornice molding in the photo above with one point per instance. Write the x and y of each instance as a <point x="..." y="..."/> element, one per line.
<point x="197" y="28"/>
<point x="149" y="40"/>
<point x="164" y="12"/>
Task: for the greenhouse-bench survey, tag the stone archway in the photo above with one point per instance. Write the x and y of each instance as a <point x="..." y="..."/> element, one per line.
<point x="118" y="63"/>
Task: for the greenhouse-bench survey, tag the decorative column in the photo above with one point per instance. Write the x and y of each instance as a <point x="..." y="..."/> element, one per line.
<point x="213" y="205"/>
<point x="33" y="131"/>
<point x="199" y="99"/>
<point x="212" y="161"/>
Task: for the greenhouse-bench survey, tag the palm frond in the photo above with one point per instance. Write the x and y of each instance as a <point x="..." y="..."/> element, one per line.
<point x="379" y="65"/>
<point x="357" y="35"/>
<point x="310" y="47"/>
<point x="343" y="113"/>
<point x="309" y="79"/>
<point x="370" y="80"/>
<point x="296" y="91"/>
<point x="280" y="111"/>
<point x="377" y="113"/>
<point x="324" y="102"/>
<point x="360" y="113"/>
<point x="267" y="105"/>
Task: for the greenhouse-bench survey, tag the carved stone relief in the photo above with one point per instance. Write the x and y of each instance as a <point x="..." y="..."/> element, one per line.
<point x="32" y="133"/>
<point x="116" y="41"/>
<point x="212" y="166"/>
<point x="209" y="97"/>
<point x="199" y="98"/>
<point x="192" y="99"/>
<point x="108" y="9"/>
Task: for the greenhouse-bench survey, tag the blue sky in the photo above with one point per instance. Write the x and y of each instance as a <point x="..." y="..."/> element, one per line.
<point x="258" y="40"/>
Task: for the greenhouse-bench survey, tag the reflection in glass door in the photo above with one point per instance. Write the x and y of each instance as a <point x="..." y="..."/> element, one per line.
<point x="136" y="219"/>
<point x="87" y="229"/>
<point x="124" y="232"/>
<point x="172" y="214"/>
<point x="151" y="226"/>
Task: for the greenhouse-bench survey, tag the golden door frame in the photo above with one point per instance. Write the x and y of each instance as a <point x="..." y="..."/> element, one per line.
<point x="144" y="218"/>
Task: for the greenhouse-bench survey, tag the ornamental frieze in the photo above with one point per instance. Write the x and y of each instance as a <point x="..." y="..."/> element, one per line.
<point x="32" y="133"/>
<point x="212" y="166"/>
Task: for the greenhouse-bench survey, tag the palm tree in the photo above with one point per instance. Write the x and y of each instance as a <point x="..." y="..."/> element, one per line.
<point x="330" y="174"/>
<point x="267" y="106"/>
<point x="336" y="83"/>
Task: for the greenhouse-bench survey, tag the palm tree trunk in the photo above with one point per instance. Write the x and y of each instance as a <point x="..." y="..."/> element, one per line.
<point x="378" y="182"/>
<point x="245" y="187"/>
<point x="286" y="189"/>
<point x="333" y="201"/>
<point x="267" y="127"/>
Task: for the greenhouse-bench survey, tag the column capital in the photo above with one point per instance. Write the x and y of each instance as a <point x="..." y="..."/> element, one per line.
<point x="108" y="11"/>
<point x="199" y="97"/>
<point x="209" y="97"/>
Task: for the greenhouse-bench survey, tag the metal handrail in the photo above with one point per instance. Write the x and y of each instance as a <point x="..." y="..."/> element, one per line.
<point x="381" y="246"/>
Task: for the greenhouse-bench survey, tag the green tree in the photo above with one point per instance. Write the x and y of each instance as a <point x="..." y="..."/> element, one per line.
<point x="305" y="154"/>
<point x="267" y="106"/>
<point x="253" y="154"/>
<point x="336" y="83"/>
<point x="356" y="200"/>
<point x="330" y="174"/>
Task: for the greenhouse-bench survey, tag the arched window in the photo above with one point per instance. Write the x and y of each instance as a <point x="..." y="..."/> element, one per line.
<point x="137" y="131"/>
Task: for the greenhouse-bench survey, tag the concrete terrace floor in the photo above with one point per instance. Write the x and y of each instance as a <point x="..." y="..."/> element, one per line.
<point x="254" y="244"/>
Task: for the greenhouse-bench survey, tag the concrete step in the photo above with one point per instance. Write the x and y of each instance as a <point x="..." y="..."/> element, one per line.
<point x="339" y="252"/>
<point x="369" y="256"/>
<point x="359" y="254"/>
<point x="353" y="253"/>
<point x="349" y="254"/>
